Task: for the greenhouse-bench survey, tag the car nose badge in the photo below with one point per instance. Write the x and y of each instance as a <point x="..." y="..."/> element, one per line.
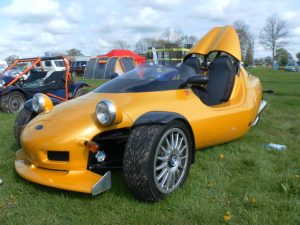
<point x="39" y="127"/>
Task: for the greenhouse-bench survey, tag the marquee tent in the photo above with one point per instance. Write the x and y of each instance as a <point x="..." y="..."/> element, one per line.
<point x="116" y="61"/>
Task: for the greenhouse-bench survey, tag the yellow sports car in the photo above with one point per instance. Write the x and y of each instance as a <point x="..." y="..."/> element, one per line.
<point x="148" y="122"/>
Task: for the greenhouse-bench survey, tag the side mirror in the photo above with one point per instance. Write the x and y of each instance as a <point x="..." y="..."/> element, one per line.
<point x="197" y="80"/>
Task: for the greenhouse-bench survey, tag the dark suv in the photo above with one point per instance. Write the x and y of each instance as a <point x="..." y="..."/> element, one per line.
<point x="77" y="68"/>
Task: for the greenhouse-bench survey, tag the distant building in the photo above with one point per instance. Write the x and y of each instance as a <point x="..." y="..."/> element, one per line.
<point x="168" y="55"/>
<point x="51" y="54"/>
<point x="275" y="65"/>
<point x="80" y="58"/>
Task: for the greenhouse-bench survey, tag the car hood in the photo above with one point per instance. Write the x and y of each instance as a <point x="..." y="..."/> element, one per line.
<point x="77" y="118"/>
<point x="70" y="124"/>
<point x="7" y="79"/>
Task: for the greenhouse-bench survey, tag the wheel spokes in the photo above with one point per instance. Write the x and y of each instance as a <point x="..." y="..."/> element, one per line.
<point x="171" y="160"/>
<point x="161" y="166"/>
<point x="162" y="174"/>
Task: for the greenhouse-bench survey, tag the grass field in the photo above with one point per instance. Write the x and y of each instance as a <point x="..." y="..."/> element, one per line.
<point x="248" y="185"/>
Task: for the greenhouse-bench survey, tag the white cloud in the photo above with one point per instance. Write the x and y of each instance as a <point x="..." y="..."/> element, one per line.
<point x="60" y="26"/>
<point x="74" y="12"/>
<point x="31" y="10"/>
<point x="32" y="27"/>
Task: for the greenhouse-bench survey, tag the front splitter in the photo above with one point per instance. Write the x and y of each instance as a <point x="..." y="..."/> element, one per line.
<point x="80" y="180"/>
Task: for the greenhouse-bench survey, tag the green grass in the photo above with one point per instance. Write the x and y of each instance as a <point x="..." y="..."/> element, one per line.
<point x="252" y="184"/>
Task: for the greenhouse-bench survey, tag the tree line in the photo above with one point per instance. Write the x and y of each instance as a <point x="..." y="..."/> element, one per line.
<point x="273" y="37"/>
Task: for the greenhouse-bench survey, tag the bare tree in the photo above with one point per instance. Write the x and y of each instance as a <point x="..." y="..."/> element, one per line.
<point x="143" y="44"/>
<point x="10" y="59"/>
<point x="245" y="37"/>
<point x="121" y="44"/>
<point x="166" y="34"/>
<point x="172" y="36"/>
<point x="274" y="34"/>
<point x="189" y="39"/>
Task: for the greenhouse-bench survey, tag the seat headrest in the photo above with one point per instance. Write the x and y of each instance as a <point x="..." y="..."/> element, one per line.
<point x="224" y="59"/>
<point x="194" y="63"/>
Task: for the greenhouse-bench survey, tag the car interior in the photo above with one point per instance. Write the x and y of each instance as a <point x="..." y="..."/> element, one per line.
<point x="221" y="73"/>
<point x="56" y="80"/>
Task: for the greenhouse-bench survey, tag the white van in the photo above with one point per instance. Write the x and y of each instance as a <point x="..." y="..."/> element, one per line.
<point x="53" y="65"/>
<point x="3" y="65"/>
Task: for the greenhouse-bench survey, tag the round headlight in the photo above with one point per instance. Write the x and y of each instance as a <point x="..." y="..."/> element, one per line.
<point x="41" y="103"/>
<point x="106" y="112"/>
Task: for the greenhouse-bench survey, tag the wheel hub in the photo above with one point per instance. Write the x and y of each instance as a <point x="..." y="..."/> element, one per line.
<point x="173" y="160"/>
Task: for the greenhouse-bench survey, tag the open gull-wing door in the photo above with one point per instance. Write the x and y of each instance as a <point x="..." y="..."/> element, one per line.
<point x="221" y="39"/>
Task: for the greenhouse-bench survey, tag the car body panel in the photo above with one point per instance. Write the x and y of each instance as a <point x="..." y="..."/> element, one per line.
<point x="223" y="39"/>
<point x="75" y="180"/>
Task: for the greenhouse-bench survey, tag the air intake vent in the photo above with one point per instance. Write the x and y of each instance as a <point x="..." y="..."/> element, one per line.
<point x="58" y="156"/>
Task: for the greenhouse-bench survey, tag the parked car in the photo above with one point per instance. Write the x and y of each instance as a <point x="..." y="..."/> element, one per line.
<point x="149" y="122"/>
<point x="53" y="65"/>
<point x="77" y="68"/>
<point x="18" y="85"/>
<point x="293" y="67"/>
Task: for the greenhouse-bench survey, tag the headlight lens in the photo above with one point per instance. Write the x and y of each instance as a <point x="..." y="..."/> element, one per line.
<point x="41" y="103"/>
<point x="106" y="112"/>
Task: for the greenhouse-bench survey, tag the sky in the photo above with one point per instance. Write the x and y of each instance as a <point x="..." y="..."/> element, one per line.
<point x="31" y="27"/>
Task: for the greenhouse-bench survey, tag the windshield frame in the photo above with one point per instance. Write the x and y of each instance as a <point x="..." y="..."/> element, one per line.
<point x="149" y="78"/>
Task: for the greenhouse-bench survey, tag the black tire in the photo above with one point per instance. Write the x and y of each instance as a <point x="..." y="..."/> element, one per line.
<point x="80" y="92"/>
<point x="23" y="118"/>
<point x="140" y="160"/>
<point x="12" y="102"/>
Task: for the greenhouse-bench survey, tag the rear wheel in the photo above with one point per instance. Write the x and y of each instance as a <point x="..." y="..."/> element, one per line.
<point x="23" y="118"/>
<point x="80" y="92"/>
<point x="157" y="160"/>
<point x="12" y="102"/>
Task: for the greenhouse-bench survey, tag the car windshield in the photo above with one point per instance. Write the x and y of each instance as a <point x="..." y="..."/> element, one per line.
<point x="147" y="78"/>
<point x="14" y="72"/>
<point x="59" y="63"/>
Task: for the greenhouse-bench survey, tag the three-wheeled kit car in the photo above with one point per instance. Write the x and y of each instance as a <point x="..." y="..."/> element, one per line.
<point x="148" y="122"/>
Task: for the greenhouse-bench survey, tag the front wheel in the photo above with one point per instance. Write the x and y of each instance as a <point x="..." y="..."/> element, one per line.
<point x="80" y="92"/>
<point x="23" y="118"/>
<point x="12" y="102"/>
<point x="157" y="159"/>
